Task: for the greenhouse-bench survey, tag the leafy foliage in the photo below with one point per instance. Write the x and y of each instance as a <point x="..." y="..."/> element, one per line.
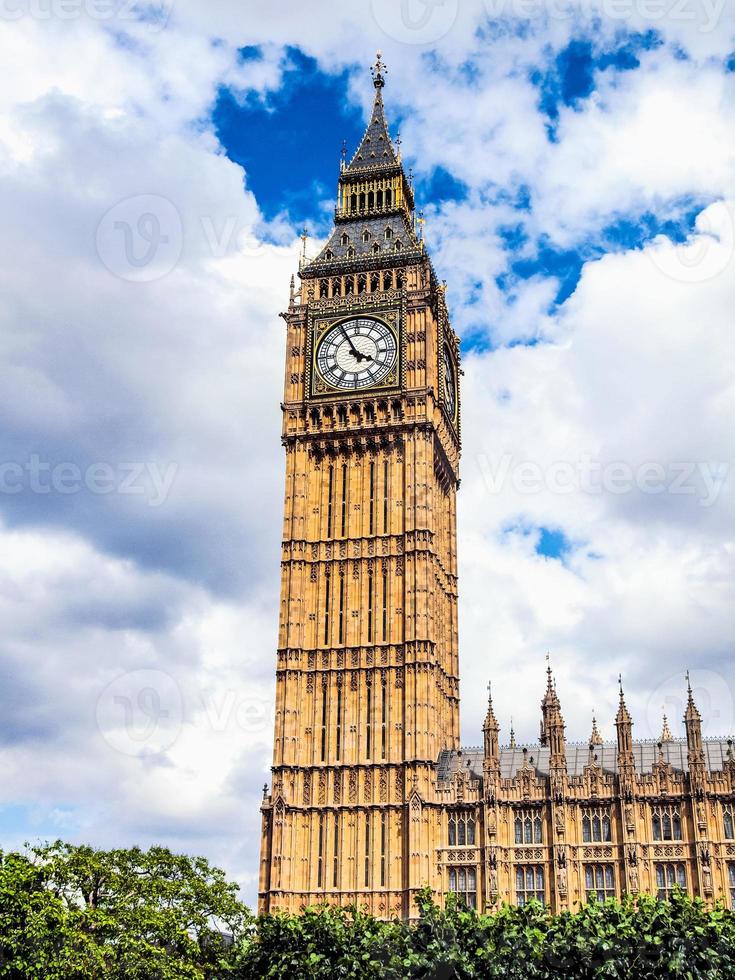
<point x="74" y="913"/>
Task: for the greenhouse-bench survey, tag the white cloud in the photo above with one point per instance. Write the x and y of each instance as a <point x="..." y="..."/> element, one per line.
<point x="186" y="370"/>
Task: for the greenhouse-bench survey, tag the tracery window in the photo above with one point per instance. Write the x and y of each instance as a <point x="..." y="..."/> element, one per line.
<point x="596" y="826"/>
<point x="599" y="880"/>
<point x="530" y="884"/>
<point x="669" y="877"/>
<point x="666" y="822"/>
<point x="463" y="882"/>
<point x="731" y="884"/>
<point x="461" y="829"/>
<point x="728" y="820"/>
<point x="528" y="827"/>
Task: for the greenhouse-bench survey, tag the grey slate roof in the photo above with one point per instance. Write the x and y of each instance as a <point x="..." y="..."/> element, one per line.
<point x="376" y="227"/>
<point x="645" y="753"/>
<point x="376" y="148"/>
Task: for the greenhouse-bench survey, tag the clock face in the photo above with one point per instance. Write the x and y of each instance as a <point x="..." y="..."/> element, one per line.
<point x="450" y="384"/>
<point x="357" y="354"/>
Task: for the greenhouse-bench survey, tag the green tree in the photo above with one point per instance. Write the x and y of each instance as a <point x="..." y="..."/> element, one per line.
<point x="75" y="913"/>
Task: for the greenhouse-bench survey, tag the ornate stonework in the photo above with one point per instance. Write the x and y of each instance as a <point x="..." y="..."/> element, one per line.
<point x="372" y="797"/>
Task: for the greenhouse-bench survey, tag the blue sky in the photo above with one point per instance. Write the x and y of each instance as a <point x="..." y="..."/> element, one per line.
<point x="577" y="180"/>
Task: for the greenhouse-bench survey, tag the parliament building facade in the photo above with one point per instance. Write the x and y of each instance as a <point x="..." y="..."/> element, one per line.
<point x="372" y="795"/>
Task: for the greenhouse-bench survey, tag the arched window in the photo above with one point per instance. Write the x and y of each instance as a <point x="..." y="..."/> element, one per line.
<point x="323" y="288"/>
<point x="345" y="238"/>
<point x="666" y="822"/>
<point x="528" y="828"/>
<point x="388" y="234"/>
<point x="350" y="252"/>
<point x="366" y="236"/>
<point x="452" y="830"/>
<point x="398" y="246"/>
<point x="376" y="248"/>
<point x="729" y="823"/>
<point x="329" y="254"/>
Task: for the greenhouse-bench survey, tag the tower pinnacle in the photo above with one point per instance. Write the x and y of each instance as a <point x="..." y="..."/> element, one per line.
<point x="378" y="71"/>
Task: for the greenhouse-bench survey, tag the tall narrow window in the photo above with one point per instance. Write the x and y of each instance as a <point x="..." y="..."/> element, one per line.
<point x="383" y="836"/>
<point x="327" y="602"/>
<point x="669" y="877"/>
<point x="344" y="499"/>
<point x="341" y="609"/>
<point x="335" y="867"/>
<point x="530" y="884"/>
<point x="338" y="746"/>
<point x="330" y="500"/>
<point x="320" y="858"/>
<point x="372" y="499"/>
<point x="367" y="850"/>
<point x="371" y="587"/>
<point x="369" y="724"/>
<point x="384" y="717"/>
<point x="386" y="490"/>
<point x="385" y="606"/>
<point x="731" y="884"/>
<point x="728" y="823"/>
<point x="324" y="722"/>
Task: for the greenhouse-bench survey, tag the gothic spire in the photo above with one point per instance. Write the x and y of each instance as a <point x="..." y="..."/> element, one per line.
<point x="376" y="148"/>
<point x="512" y="735"/>
<point x="666" y="735"/>
<point x="491" y="730"/>
<point x="595" y="737"/>
<point x="623" y="715"/>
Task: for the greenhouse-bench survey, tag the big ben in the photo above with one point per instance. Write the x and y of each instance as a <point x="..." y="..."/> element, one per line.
<point x="372" y="796"/>
<point x="367" y="665"/>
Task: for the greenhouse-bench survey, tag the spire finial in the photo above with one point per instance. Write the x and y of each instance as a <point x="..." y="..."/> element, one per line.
<point x="666" y="735"/>
<point x="595" y="737"/>
<point x="512" y="734"/>
<point x="304" y="237"/>
<point x="379" y="71"/>
<point x="489" y="694"/>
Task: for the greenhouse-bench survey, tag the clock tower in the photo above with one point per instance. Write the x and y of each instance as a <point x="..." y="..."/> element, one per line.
<point x="367" y="666"/>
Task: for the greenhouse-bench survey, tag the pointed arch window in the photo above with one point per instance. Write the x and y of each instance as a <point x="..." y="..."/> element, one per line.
<point x="376" y="248"/>
<point x="398" y="245"/>
<point x="463" y="883"/>
<point x="345" y="238"/>
<point x="728" y="820"/>
<point x="329" y="254"/>
<point x="666" y="823"/>
<point x="528" y="827"/>
<point x="366" y="236"/>
<point x="461" y="829"/>
<point x="351" y="253"/>
<point x="388" y="233"/>
<point x="596" y="826"/>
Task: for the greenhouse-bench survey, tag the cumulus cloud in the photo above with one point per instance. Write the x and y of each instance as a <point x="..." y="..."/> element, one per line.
<point x="141" y="461"/>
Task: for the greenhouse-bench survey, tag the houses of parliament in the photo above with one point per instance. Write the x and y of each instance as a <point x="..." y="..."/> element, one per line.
<point x="373" y="797"/>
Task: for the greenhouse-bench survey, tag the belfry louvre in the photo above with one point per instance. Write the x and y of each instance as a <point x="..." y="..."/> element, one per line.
<point x="372" y="796"/>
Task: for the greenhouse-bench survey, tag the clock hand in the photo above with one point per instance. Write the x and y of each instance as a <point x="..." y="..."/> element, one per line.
<point x="355" y="352"/>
